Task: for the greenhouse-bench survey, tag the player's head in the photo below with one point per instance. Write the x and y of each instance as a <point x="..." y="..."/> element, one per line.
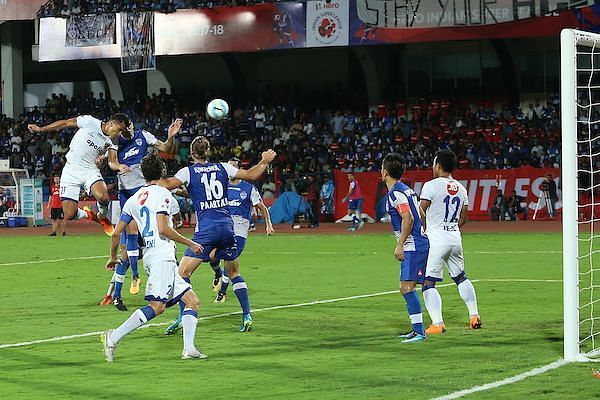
<point x="200" y="148"/>
<point x="235" y="162"/>
<point x="350" y="176"/>
<point x="56" y="179"/>
<point x="444" y="163"/>
<point x="153" y="167"/>
<point x="392" y="167"/>
<point x="116" y="124"/>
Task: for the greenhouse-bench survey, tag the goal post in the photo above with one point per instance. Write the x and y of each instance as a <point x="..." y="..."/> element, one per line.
<point x="580" y="120"/>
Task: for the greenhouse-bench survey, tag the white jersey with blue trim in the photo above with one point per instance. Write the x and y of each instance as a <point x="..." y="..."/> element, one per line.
<point x="401" y="199"/>
<point x="447" y="196"/>
<point x="88" y="143"/>
<point x="207" y="185"/>
<point x="143" y="207"/>
<point x="131" y="152"/>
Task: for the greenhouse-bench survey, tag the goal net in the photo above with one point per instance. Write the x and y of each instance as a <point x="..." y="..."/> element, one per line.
<point x="580" y="114"/>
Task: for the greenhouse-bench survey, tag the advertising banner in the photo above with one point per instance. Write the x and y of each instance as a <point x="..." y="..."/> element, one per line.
<point x="91" y="30"/>
<point x="137" y="45"/>
<point x="481" y="186"/>
<point x="327" y="23"/>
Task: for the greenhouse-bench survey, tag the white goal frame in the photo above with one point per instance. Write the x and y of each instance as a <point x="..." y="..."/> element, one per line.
<point x="569" y="40"/>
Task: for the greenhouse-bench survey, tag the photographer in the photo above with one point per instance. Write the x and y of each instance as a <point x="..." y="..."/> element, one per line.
<point x="549" y="190"/>
<point x="515" y="207"/>
<point x="498" y="209"/>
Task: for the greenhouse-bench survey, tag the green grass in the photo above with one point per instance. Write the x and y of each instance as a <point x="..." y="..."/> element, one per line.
<point x="339" y="350"/>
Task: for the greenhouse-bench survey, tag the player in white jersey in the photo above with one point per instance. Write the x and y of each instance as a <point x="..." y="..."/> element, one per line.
<point x="92" y="140"/>
<point x="444" y="202"/>
<point x="150" y="207"/>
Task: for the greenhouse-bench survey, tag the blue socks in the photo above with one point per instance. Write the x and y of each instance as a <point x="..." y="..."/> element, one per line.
<point x="224" y="282"/>
<point x="413" y="305"/>
<point x="215" y="267"/>
<point x="241" y="291"/>
<point x="133" y="253"/>
<point x="120" y="272"/>
<point x="354" y="220"/>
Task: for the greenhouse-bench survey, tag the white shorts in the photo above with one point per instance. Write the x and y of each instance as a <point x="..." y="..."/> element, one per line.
<point x="73" y="178"/>
<point x="241" y="226"/>
<point x="164" y="283"/>
<point x="452" y="255"/>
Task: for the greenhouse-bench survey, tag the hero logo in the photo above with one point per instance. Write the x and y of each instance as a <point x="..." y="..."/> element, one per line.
<point x="133" y="152"/>
<point x="328" y="24"/>
<point x="452" y="188"/>
<point x="321" y="5"/>
<point x="143" y="197"/>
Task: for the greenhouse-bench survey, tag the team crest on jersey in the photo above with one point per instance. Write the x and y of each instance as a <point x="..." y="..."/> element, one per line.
<point x="138" y="141"/>
<point x="243" y="195"/>
<point x="143" y="197"/>
<point x="452" y="188"/>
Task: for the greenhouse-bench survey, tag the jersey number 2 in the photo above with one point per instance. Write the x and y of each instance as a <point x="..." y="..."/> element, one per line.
<point x="144" y="212"/>
<point x="452" y="200"/>
<point x="212" y="187"/>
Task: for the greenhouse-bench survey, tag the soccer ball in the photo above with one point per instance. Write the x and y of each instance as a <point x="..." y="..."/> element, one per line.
<point x="217" y="109"/>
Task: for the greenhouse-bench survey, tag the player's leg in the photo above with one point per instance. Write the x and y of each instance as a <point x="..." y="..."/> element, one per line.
<point x="351" y="214"/>
<point x="99" y="190"/>
<point x="63" y="222"/>
<point x="133" y="254"/>
<point x="215" y="265"/>
<point x="358" y="213"/>
<point x="119" y="276"/>
<point x="412" y="270"/>
<point x="111" y="338"/>
<point x="456" y="268"/>
<point x="53" y="219"/>
<point x="431" y="296"/>
<point x="225" y="279"/>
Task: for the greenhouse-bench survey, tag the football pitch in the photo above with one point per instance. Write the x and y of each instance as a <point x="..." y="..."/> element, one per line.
<point x="335" y="336"/>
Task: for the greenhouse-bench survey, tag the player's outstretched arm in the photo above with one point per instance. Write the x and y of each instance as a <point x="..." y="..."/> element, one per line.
<point x="114" y="244"/>
<point x="169" y="145"/>
<point x="167" y="231"/>
<point x="463" y="216"/>
<point x="55" y="126"/>
<point x="256" y="172"/>
<point x="265" y="213"/>
<point x="170" y="183"/>
<point x="114" y="164"/>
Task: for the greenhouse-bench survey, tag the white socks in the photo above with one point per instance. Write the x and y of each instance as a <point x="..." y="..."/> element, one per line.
<point x="189" y="321"/>
<point x="433" y="303"/>
<point x="137" y="319"/>
<point x="467" y="292"/>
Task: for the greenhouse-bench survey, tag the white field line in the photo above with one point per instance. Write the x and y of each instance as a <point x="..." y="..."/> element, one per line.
<point x="56" y="260"/>
<point x="310" y="303"/>
<point x="508" y="381"/>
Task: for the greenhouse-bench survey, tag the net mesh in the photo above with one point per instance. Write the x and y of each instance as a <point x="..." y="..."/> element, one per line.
<point x="588" y="185"/>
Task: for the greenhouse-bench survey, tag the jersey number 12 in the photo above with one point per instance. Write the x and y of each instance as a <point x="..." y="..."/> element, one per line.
<point x="451" y="200"/>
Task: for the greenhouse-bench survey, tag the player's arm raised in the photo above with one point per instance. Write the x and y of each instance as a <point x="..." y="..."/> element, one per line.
<point x="169" y="145"/>
<point x="55" y="126"/>
<point x="463" y="216"/>
<point x="256" y="172"/>
<point x="167" y="231"/>
<point x="407" y="225"/>
<point x="265" y="213"/>
<point x="114" y="164"/>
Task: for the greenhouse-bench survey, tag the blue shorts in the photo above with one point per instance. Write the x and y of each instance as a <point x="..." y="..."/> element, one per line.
<point x="355" y="205"/>
<point x="218" y="237"/>
<point x="241" y="244"/>
<point x="124" y="195"/>
<point x="412" y="269"/>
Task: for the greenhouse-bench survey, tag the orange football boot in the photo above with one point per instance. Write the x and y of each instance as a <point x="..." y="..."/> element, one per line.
<point x="436" y="329"/>
<point x="100" y="219"/>
<point x="106" y="300"/>
<point x="475" y="322"/>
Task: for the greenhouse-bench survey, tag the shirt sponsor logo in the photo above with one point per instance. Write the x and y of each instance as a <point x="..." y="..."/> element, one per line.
<point x="130" y="153"/>
<point x="98" y="148"/>
<point x="143" y="197"/>
<point x="452" y="188"/>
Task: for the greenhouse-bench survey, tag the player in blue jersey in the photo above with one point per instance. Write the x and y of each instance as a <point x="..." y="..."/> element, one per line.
<point x="127" y="159"/>
<point x="412" y="246"/>
<point x="243" y="197"/>
<point x="207" y="183"/>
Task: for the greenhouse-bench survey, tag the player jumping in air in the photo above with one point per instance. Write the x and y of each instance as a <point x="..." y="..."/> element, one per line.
<point x="355" y="203"/>
<point x="444" y="202"/>
<point x="126" y="159"/>
<point x="207" y="184"/>
<point x="92" y="140"/>
<point x="412" y="244"/>
<point x="149" y="207"/>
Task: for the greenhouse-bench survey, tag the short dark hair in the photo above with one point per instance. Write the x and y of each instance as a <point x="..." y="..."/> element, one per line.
<point x="393" y="163"/>
<point x="121" y="118"/>
<point x="153" y="167"/>
<point x="447" y="159"/>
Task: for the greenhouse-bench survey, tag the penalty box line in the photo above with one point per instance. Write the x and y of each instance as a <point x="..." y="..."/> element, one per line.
<point x="279" y="307"/>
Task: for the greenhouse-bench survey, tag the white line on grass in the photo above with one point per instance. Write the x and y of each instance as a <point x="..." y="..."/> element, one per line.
<point x="310" y="303"/>
<point x="285" y="253"/>
<point x="503" y="382"/>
